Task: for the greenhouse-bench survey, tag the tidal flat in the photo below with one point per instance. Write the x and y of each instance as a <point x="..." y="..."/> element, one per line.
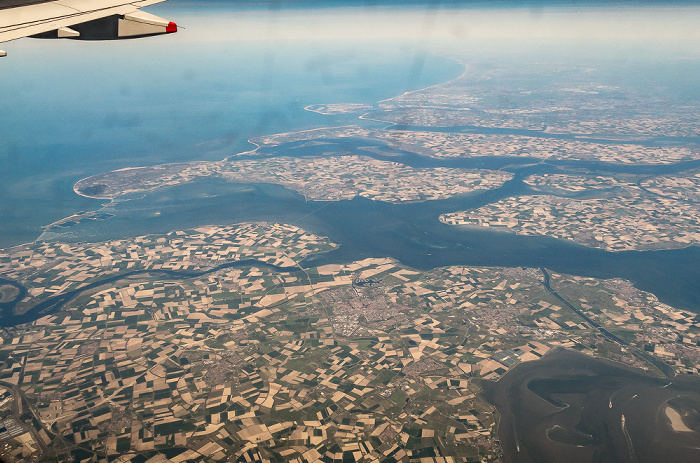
<point x="571" y="407"/>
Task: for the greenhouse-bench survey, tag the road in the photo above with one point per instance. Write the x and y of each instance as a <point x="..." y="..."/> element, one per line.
<point x="20" y="403"/>
<point x="666" y="369"/>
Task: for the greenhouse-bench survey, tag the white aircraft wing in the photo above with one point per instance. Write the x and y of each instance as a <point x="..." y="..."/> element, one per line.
<point x="79" y="19"/>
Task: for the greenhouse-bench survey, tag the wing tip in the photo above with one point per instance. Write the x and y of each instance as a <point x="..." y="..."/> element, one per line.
<point x="172" y="27"/>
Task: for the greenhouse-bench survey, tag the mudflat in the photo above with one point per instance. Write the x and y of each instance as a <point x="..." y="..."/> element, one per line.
<point x="571" y="407"/>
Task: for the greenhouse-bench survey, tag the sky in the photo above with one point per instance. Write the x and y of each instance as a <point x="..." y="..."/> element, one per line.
<point x="439" y="22"/>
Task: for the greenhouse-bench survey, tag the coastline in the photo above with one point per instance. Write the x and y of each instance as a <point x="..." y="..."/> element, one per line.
<point x="252" y="141"/>
<point x="456" y="60"/>
<point x="79" y="193"/>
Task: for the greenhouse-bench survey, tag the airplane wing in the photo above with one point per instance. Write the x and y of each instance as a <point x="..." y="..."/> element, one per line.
<point x="79" y="19"/>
